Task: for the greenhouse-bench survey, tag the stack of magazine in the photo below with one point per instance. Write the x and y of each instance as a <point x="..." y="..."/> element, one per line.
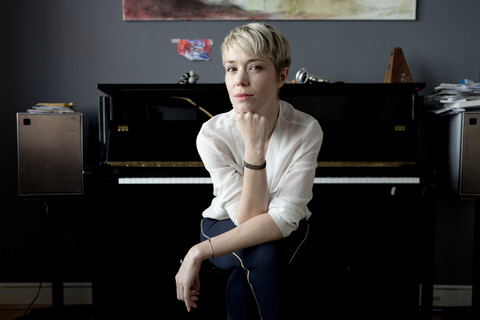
<point x="454" y="98"/>
<point x="52" y="108"/>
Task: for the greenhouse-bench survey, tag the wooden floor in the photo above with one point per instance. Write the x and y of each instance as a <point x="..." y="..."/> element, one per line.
<point x="14" y="312"/>
<point x="11" y="312"/>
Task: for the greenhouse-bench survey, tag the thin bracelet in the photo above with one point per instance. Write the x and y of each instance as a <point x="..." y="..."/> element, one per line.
<point x="211" y="248"/>
<point x="254" y="167"/>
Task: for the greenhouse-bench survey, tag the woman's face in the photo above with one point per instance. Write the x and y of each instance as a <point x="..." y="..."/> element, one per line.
<point x="252" y="83"/>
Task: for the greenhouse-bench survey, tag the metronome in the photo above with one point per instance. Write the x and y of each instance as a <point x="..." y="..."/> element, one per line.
<point x="397" y="70"/>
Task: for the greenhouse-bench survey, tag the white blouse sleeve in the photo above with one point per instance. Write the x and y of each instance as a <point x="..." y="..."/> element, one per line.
<point x="289" y="206"/>
<point x="225" y="172"/>
<point x="222" y="154"/>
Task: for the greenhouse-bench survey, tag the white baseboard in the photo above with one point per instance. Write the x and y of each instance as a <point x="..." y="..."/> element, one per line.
<point x="451" y="295"/>
<point x="80" y="293"/>
<point x="74" y="293"/>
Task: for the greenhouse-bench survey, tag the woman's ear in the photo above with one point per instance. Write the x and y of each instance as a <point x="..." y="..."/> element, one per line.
<point x="283" y="77"/>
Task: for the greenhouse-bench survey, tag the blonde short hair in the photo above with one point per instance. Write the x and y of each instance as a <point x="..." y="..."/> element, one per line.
<point x="260" y="40"/>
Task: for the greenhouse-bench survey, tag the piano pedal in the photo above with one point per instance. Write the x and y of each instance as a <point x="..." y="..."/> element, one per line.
<point x="393" y="190"/>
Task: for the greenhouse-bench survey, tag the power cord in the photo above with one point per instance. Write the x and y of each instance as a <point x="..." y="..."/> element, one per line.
<point x="42" y="244"/>
<point x="34" y="299"/>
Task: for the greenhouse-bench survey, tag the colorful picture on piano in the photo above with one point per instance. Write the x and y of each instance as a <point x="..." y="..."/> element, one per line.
<point x="269" y="9"/>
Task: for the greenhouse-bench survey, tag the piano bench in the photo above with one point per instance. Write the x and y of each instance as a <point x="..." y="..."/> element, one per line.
<point x="213" y="284"/>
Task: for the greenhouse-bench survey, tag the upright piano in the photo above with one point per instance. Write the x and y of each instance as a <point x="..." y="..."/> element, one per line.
<point x="363" y="256"/>
<point x="371" y="130"/>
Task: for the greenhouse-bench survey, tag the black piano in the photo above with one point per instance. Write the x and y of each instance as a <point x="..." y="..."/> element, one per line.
<point x="363" y="256"/>
<point x="371" y="130"/>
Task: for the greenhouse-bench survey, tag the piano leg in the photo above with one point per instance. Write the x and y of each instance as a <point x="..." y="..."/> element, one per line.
<point x="428" y="255"/>
<point x="476" y="263"/>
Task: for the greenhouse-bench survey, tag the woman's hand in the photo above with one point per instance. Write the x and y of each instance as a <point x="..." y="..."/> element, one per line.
<point x="188" y="281"/>
<point x="253" y="128"/>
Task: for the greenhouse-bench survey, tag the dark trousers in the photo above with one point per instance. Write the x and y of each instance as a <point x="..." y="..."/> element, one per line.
<point x="263" y="272"/>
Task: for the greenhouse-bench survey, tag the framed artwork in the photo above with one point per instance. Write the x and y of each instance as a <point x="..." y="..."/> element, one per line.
<point x="134" y="10"/>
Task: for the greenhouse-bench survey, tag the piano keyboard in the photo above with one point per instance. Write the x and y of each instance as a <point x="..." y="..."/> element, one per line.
<point x="326" y="180"/>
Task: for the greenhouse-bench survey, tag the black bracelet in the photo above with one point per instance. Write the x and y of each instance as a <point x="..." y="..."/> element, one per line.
<point x="254" y="167"/>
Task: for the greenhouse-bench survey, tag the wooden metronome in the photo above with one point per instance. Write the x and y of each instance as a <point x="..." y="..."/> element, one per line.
<point x="397" y="70"/>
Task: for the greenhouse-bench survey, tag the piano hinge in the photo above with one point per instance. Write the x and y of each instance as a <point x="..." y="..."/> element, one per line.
<point x="323" y="164"/>
<point x="367" y="164"/>
<point x="156" y="164"/>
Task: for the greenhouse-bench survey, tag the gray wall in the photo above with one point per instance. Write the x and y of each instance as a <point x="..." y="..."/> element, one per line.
<point x="58" y="50"/>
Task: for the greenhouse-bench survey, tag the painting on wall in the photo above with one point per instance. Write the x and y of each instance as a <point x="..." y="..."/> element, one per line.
<point x="134" y="10"/>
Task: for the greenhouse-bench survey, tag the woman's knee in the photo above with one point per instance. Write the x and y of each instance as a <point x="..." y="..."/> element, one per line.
<point x="267" y="255"/>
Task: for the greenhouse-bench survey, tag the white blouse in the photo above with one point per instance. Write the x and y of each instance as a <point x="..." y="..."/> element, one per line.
<point x="291" y="162"/>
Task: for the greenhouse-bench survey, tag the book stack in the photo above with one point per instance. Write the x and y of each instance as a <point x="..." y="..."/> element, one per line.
<point x="454" y="98"/>
<point x="52" y="108"/>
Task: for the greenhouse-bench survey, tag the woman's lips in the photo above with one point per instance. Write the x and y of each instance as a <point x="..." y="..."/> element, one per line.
<point x="243" y="96"/>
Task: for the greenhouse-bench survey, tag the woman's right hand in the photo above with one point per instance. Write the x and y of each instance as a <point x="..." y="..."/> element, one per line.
<point x="188" y="280"/>
<point x="253" y="128"/>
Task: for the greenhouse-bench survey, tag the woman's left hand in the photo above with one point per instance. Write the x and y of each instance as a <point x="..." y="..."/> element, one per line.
<point x="188" y="281"/>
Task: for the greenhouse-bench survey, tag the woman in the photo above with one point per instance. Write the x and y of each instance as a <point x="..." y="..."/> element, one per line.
<point x="262" y="157"/>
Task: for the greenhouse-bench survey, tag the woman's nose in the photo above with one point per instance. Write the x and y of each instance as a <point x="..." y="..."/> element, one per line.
<point x="242" y="79"/>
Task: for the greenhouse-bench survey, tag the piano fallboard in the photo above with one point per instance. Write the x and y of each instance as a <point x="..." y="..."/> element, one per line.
<point x="160" y="122"/>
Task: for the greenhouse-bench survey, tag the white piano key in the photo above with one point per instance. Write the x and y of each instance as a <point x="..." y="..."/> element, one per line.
<point x="317" y="180"/>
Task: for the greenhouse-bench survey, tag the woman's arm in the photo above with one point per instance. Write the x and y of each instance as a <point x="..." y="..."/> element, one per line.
<point x="255" y="225"/>
<point x="257" y="230"/>
<point x="254" y="197"/>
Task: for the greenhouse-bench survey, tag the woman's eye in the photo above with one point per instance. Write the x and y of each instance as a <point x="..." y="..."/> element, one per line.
<point x="255" y="68"/>
<point x="230" y="69"/>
